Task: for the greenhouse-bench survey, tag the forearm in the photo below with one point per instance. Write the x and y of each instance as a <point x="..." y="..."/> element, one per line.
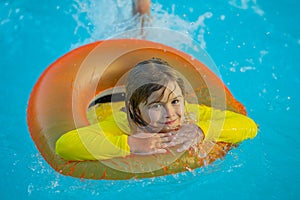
<point x="234" y="128"/>
<point x="89" y="143"/>
<point x="225" y="126"/>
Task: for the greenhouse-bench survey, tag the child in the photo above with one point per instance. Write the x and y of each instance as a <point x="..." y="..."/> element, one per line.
<point x="156" y="115"/>
<point x="155" y="104"/>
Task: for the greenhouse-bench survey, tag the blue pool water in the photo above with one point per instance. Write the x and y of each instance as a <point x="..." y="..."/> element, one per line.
<point x="255" y="46"/>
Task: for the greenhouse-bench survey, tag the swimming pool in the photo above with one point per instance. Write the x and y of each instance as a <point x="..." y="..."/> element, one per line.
<point x="255" y="46"/>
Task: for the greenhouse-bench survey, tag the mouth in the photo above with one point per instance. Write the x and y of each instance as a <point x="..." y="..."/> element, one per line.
<point x="169" y="125"/>
<point x="170" y="122"/>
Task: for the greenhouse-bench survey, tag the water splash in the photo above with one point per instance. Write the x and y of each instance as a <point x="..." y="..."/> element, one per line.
<point x="246" y="4"/>
<point x="120" y="23"/>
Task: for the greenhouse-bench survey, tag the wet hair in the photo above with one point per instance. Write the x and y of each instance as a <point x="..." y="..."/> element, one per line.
<point x="145" y="78"/>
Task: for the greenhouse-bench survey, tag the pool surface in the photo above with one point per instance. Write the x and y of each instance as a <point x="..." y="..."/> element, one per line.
<point x="255" y="47"/>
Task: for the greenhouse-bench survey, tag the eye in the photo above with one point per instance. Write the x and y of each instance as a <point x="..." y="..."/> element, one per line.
<point x="155" y="106"/>
<point x="175" y="101"/>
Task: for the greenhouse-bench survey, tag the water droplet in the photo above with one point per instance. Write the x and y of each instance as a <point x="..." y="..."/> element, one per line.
<point x="208" y="14"/>
<point x="274" y="76"/>
<point x="246" y="68"/>
<point x="264" y="90"/>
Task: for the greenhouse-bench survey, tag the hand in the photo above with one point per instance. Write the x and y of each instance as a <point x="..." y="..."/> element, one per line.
<point x="149" y="143"/>
<point x="186" y="136"/>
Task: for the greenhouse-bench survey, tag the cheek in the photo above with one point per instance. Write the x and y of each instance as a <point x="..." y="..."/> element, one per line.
<point x="154" y="116"/>
<point x="180" y="110"/>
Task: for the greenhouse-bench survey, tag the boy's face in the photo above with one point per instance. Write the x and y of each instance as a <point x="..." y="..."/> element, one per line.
<point x="164" y="114"/>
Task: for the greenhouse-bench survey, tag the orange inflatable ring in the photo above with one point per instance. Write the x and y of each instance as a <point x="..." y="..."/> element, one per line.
<point x="61" y="97"/>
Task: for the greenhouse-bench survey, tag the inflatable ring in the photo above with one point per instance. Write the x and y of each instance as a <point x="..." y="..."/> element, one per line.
<point x="62" y="95"/>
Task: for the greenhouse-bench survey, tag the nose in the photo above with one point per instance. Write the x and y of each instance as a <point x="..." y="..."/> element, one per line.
<point x="169" y="111"/>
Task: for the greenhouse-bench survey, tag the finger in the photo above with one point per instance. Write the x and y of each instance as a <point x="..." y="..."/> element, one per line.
<point x="160" y="151"/>
<point x="162" y="138"/>
<point x="166" y="139"/>
<point x="165" y="135"/>
<point x="184" y="147"/>
<point x="158" y="145"/>
<point x="176" y="140"/>
<point x="171" y="144"/>
<point x="174" y="143"/>
<point x="155" y="144"/>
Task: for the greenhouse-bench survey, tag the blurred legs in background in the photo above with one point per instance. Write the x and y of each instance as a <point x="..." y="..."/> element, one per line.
<point x="141" y="7"/>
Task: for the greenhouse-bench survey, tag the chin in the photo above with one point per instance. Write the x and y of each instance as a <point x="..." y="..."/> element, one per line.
<point x="169" y="129"/>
